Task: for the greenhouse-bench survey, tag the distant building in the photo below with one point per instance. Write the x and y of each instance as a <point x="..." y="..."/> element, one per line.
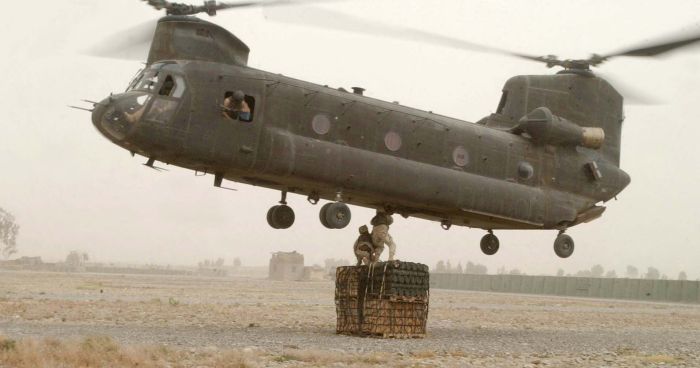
<point x="75" y="262"/>
<point x="29" y="261"/>
<point x="24" y="262"/>
<point x="286" y="266"/>
<point x="315" y="273"/>
<point x="331" y="264"/>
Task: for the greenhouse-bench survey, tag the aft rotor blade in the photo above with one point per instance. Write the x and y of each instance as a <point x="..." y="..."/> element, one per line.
<point x="655" y="49"/>
<point x="323" y="18"/>
<point x="130" y="44"/>
<point x="631" y="95"/>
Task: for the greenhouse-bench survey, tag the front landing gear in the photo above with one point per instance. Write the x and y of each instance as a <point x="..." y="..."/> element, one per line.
<point x="281" y="216"/>
<point x="335" y="215"/>
<point x="563" y="245"/>
<point x="489" y="244"/>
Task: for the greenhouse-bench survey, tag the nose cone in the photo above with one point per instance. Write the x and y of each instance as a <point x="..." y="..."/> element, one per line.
<point x="98" y="113"/>
<point x="116" y="117"/>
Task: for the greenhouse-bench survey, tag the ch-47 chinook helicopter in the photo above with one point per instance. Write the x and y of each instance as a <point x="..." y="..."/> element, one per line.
<point x="548" y="158"/>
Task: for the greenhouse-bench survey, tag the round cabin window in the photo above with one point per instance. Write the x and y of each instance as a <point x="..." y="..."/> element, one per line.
<point x="321" y="124"/>
<point x="460" y="156"/>
<point x="392" y="140"/>
<point x="525" y="170"/>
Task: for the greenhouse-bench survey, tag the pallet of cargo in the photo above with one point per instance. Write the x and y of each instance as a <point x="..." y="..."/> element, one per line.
<point x="385" y="300"/>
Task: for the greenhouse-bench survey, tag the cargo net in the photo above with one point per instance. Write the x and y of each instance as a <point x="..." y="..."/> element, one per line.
<point x="386" y="299"/>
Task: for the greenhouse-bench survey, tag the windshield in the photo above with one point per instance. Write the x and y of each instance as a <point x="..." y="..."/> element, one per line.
<point x="160" y="79"/>
<point x="146" y="81"/>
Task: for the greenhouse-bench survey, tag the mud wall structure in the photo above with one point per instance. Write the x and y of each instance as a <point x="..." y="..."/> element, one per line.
<point x="587" y="287"/>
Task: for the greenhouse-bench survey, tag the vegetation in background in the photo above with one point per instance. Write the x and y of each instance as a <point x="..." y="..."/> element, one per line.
<point x="8" y="233"/>
<point x="632" y="272"/>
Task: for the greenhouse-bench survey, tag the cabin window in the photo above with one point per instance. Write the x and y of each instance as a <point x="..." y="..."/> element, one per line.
<point x="321" y="124"/>
<point x="460" y="156"/>
<point x="239" y="106"/>
<point x="392" y="140"/>
<point x="502" y="103"/>
<point x="525" y="170"/>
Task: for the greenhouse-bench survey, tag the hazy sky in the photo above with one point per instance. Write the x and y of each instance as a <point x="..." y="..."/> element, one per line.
<point x="70" y="188"/>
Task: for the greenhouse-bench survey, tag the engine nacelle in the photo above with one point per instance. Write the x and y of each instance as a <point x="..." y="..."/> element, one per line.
<point x="543" y="127"/>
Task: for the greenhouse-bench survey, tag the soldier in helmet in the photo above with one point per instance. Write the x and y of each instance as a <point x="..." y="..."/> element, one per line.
<point x="380" y="234"/>
<point x="364" y="249"/>
<point x="235" y="107"/>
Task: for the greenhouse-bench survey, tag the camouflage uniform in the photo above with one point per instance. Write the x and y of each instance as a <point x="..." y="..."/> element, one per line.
<point x="380" y="235"/>
<point x="364" y="250"/>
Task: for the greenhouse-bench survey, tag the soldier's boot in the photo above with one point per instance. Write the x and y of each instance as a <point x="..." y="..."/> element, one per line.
<point x="362" y="256"/>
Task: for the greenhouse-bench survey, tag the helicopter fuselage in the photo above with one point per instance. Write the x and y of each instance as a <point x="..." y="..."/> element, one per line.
<point x="326" y="143"/>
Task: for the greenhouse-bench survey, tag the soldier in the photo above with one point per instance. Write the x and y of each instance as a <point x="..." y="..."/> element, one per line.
<point x="236" y="107"/>
<point x="380" y="234"/>
<point x="364" y="249"/>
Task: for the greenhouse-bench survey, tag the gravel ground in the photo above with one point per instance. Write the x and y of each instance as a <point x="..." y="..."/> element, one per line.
<point x="293" y="323"/>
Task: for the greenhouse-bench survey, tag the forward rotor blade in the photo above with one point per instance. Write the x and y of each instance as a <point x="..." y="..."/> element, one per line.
<point x="130" y="44"/>
<point x="323" y="18"/>
<point x="211" y="7"/>
<point x="222" y="6"/>
<point x="655" y="49"/>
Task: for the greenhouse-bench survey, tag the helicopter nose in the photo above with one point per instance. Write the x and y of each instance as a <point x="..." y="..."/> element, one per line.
<point x="116" y="116"/>
<point x="98" y="112"/>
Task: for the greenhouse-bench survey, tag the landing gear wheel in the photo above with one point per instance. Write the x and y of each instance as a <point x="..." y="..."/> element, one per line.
<point x="280" y="217"/>
<point x="335" y="215"/>
<point x="489" y="244"/>
<point x="322" y="215"/>
<point x="564" y="246"/>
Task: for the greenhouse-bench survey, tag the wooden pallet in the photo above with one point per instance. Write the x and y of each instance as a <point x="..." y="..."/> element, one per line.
<point x="383" y="336"/>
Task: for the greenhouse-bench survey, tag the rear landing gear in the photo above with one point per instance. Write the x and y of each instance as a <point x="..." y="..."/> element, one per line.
<point x="281" y="216"/>
<point x="563" y="245"/>
<point x="489" y="244"/>
<point x="335" y="215"/>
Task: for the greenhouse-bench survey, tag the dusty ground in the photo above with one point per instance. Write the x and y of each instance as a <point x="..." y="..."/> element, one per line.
<point x="190" y="321"/>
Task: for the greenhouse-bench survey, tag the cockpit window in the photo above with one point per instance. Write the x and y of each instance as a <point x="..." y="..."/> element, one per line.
<point x="179" y="87"/>
<point x="135" y="80"/>
<point x="149" y="81"/>
<point x="146" y="81"/>
<point x="123" y="114"/>
<point x="173" y="86"/>
<point x="168" y="85"/>
<point x="162" y="110"/>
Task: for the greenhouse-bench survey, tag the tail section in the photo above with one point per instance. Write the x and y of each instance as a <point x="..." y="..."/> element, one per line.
<point x="580" y="98"/>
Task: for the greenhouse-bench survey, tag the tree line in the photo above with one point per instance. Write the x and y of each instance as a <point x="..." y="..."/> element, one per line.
<point x="631" y="272"/>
